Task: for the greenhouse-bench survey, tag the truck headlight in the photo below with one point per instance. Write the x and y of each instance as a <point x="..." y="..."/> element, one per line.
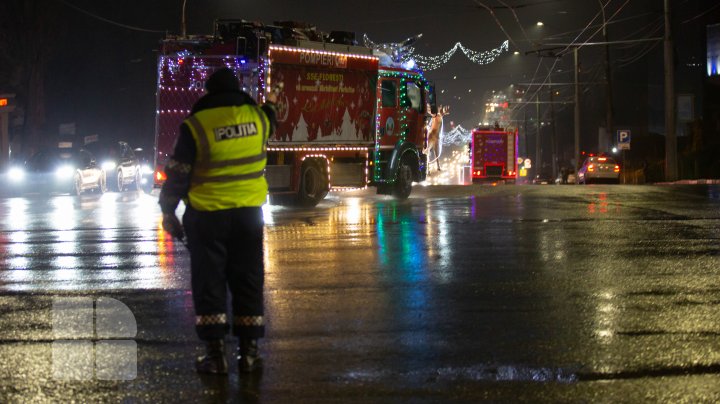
<point x="16" y="174"/>
<point x="108" y="165"/>
<point x="64" y="172"/>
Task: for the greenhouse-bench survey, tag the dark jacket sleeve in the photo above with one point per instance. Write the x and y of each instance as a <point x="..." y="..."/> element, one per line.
<point x="270" y="111"/>
<point x="178" y="170"/>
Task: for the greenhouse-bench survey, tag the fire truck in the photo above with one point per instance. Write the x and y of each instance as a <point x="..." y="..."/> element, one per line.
<point x="493" y="153"/>
<point x="346" y="120"/>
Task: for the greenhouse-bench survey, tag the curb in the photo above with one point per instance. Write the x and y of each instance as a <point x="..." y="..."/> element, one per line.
<point x="690" y="182"/>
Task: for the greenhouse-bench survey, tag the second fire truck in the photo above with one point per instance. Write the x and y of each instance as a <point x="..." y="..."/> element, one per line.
<point x="493" y="153"/>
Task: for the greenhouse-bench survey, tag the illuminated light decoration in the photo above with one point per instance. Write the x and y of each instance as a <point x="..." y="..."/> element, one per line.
<point x="457" y="136"/>
<point x="318" y="148"/>
<point x="403" y="77"/>
<point x="347" y="189"/>
<point x="408" y="54"/>
<point x="428" y="63"/>
<point x="320" y="52"/>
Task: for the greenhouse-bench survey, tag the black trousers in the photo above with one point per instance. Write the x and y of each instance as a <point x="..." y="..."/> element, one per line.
<point x="226" y="252"/>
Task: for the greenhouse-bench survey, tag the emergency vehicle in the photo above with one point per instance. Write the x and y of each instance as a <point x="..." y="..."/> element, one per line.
<point x="345" y="119"/>
<point x="493" y="154"/>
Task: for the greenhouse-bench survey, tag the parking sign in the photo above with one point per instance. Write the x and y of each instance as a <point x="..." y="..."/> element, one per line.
<point x="623" y="139"/>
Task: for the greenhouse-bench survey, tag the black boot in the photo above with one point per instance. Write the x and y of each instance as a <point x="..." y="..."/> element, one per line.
<point x="214" y="360"/>
<point x="248" y="357"/>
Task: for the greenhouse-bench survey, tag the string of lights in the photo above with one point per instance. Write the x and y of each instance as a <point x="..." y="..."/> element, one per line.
<point x="428" y="63"/>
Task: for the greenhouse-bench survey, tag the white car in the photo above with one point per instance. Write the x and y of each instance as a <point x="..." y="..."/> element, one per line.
<point x="57" y="170"/>
<point x="599" y="169"/>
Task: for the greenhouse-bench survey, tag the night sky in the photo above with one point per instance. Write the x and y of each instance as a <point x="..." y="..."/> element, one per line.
<point x="103" y="76"/>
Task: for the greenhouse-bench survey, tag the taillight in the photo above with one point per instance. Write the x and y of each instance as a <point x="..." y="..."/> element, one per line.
<point x="160" y="176"/>
<point x="617" y="168"/>
<point x="591" y="167"/>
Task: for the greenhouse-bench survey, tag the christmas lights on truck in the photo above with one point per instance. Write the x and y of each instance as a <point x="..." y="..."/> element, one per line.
<point x="347" y="118"/>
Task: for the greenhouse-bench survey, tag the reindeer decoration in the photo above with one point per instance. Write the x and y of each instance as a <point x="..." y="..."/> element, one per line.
<point x="433" y="134"/>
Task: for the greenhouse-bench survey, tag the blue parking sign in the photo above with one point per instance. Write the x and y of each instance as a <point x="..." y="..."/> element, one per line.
<point x="623" y="139"/>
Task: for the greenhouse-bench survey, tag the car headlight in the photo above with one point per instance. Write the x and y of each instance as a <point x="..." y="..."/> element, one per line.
<point x="108" y="165"/>
<point x="64" y="172"/>
<point x="146" y="169"/>
<point x="16" y="174"/>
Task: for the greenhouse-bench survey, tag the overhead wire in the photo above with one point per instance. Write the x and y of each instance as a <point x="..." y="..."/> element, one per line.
<point x="103" y="19"/>
<point x="522" y="29"/>
<point x="497" y="21"/>
<point x="701" y="14"/>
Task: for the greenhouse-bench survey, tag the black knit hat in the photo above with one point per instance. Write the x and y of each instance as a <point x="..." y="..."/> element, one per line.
<point x="222" y="80"/>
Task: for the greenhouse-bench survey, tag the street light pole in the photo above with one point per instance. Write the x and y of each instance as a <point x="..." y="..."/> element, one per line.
<point x="671" y="173"/>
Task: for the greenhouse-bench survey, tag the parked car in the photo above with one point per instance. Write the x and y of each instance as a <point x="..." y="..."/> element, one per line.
<point x="57" y="170"/>
<point x="599" y="169"/>
<point x="120" y="163"/>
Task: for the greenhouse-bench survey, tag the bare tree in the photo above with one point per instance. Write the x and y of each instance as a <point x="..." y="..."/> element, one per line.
<point x="27" y="42"/>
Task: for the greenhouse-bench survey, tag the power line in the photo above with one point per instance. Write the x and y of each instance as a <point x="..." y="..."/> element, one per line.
<point x="492" y="13"/>
<point x="130" y="27"/>
<point x="701" y="14"/>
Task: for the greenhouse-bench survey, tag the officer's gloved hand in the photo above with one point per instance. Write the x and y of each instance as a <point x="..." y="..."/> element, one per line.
<point x="172" y="225"/>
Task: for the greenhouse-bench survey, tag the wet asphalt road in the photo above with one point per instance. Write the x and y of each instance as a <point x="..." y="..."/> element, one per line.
<point x="464" y="294"/>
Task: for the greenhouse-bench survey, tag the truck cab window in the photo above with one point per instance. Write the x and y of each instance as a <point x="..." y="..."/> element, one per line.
<point x="414" y="96"/>
<point x="389" y="92"/>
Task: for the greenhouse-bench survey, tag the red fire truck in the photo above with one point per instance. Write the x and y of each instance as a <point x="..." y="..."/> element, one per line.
<point x="344" y="120"/>
<point x="494" y="154"/>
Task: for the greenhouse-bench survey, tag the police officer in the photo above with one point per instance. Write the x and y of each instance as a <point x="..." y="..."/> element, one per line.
<point x="218" y="170"/>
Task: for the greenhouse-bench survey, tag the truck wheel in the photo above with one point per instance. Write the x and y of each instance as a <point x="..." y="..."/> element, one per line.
<point x="403" y="184"/>
<point x="313" y="185"/>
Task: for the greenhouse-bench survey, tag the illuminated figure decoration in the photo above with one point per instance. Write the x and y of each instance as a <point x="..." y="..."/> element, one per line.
<point x="393" y="54"/>
<point x="434" y="142"/>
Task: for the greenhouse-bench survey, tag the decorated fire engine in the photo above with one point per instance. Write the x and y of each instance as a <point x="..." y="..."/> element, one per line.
<point x="348" y="116"/>
<point x="493" y="153"/>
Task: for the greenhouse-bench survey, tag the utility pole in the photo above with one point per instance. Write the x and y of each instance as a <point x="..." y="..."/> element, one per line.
<point x="525" y="131"/>
<point x="671" y="169"/>
<point x="538" y="163"/>
<point x="608" y="81"/>
<point x="183" y="23"/>
<point x="577" y="110"/>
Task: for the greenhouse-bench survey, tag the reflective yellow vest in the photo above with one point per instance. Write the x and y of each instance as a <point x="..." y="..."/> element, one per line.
<point x="230" y="160"/>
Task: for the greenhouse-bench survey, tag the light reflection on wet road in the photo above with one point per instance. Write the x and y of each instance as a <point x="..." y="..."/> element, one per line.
<point x="454" y="287"/>
<point x="103" y="242"/>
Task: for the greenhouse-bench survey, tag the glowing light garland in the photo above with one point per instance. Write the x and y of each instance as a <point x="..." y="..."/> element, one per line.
<point x="457" y="136"/>
<point x="433" y="62"/>
<point x="403" y="53"/>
